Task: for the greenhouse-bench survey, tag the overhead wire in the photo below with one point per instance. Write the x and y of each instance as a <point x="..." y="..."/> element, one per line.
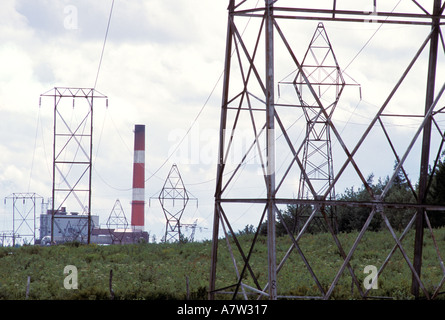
<point x="369" y="40"/>
<point x="188" y="130"/>
<point x="97" y="151"/>
<point x="95" y="85"/>
<point x="103" y="46"/>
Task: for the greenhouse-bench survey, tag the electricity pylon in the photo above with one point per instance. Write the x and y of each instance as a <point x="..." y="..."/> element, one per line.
<point x="173" y="198"/>
<point x="117" y="223"/>
<point x="260" y="45"/>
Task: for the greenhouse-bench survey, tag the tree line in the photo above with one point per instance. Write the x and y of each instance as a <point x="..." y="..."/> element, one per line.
<point x="348" y="219"/>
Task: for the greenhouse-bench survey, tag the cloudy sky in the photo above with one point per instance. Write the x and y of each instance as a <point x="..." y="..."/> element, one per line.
<point x="162" y="67"/>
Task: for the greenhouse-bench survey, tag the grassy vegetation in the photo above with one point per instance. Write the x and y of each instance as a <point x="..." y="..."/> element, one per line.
<point x="145" y="271"/>
<point x="159" y="271"/>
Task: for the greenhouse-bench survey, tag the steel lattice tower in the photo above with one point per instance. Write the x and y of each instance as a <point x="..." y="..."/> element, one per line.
<point x="173" y="199"/>
<point x="72" y="150"/>
<point x="259" y="47"/>
<point x="117" y="223"/>
<point x="322" y="69"/>
<point x="24" y="216"/>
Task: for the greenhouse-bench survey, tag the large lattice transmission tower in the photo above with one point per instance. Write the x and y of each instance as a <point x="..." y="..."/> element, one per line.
<point x="262" y="46"/>
<point x="72" y="150"/>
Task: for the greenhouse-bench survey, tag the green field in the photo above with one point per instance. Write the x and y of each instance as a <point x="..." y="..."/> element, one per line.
<point x="159" y="271"/>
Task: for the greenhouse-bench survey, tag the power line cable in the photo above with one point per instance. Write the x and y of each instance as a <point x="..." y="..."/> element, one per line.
<point x="369" y="40"/>
<point x="188" y="131"/>
<point x="105" y="41"/>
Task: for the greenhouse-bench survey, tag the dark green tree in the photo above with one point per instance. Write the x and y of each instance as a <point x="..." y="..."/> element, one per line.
<point x="437" y="195"/>
<point x="400" y="192"/>
<point x="352" y="218"/>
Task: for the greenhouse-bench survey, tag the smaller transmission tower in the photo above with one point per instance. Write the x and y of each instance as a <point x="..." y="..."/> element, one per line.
<point x="24" y="216"/>
<point x="320" y="71"/>
<point x="321" y="68"/>
<point x="173" y="198"/>
<point x="117" y="223"/>
<point x="193" y="226"/>
<point x="6" y="238"/>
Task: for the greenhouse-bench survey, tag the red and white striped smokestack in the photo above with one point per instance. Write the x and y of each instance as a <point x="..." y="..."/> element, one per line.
<point x="138" y="203"/>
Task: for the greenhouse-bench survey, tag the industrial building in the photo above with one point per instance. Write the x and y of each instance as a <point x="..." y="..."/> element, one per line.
<point x="71" y="226"/>
<point x="67" y="226"/>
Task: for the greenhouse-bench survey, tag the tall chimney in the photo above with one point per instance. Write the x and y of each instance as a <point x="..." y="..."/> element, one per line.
<point x="137" y="205"/>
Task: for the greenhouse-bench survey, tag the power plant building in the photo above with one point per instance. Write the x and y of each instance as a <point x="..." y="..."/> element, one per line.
<point x="68" y="226"/>
<point x="72" y="227"/>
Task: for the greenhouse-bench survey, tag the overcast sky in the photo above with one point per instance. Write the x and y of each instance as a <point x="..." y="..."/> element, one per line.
<point x="161" y="67"/>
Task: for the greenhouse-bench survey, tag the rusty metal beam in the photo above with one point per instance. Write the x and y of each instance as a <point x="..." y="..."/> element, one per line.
<point x="220" y="165"/>
<point x="270" y="148"/>
<point x="311" y="202"/>
<point x="341" y="15"/>
<point x="426" y="142"/>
